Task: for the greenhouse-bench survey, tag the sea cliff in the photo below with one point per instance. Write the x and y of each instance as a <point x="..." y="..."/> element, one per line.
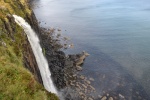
<point x="19" y="73"/>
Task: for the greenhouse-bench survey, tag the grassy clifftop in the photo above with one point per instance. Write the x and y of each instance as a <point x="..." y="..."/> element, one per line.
<point x="16" y="82"/>
<point x="19" y="7"/>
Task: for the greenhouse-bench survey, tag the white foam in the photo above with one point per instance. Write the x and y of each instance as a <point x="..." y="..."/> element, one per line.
<point x="37" y="50"/>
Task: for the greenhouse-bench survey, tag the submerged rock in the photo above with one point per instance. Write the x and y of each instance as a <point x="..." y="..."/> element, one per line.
<point x="79" y="68"/>
<point x="90" y="98"/>
<point x="104" y="98"/>
<point x="110" y="98"/>
<point x="82" y="77"/>
<point x="81" y="58"/>
<point x="121" y="96"/>
<point x="91" y="79"/>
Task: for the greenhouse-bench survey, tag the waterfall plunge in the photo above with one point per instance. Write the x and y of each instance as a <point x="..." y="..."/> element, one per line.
<point x="41" y="61"/>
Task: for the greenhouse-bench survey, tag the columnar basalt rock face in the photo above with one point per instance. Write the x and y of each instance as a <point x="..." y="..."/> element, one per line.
<point x="31" y="19"/>
<point x="16" y="55"/>
<point x="30" y="62"/>
<point x="28" y="56"/>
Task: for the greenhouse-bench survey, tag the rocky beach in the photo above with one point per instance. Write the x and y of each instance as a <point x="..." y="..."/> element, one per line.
<point x="72" y="84"/>
<point x="66" y="68"/>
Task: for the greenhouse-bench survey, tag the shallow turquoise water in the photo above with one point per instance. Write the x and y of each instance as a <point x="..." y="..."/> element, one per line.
<point x="114" y="32"/>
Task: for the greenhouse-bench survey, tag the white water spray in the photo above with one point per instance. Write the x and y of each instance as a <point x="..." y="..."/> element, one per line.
<point x="41" y="61"/>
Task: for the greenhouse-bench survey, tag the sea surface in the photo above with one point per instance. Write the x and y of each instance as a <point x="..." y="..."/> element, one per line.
<point x="116" y="34"/>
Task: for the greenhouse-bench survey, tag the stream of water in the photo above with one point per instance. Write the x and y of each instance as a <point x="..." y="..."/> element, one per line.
<point x="37" y="50"/>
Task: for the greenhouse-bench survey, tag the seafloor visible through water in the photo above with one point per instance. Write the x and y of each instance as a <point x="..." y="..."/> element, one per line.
<point x="116" y="33"/>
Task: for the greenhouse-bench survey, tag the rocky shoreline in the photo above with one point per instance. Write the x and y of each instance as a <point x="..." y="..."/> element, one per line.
<point x="66" y="74"/>
<point x="65" y="68"/>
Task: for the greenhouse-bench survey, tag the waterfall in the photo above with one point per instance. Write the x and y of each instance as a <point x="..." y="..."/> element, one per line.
<point x="37" y="50"/>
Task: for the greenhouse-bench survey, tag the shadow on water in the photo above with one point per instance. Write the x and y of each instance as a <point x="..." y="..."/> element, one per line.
<point x="110" y="78"/>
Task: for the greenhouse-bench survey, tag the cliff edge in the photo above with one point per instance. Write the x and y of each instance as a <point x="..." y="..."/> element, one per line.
<point x="19" y="73"/>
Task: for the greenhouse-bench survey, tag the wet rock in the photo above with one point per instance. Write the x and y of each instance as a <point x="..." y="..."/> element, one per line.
<point x="71" y="95"/>
<point x="80" y="93"/>
<point x="82" y="77"/>
<point x="72" y="57"/>
<point x="66" y="38"/>
<point x="78" y="86"/>
<point x="85" y="90"/>
<point x="74" y="75"/>
<point x="78" y="68"/>
<point x="68" y="63"/>
<point x="110" y="98"/>
<point x="79" y="62"/>
<point x="85" y="53"/>
<point x="90" y="98"/>
<point x="85" y="98"/>
<point x="84" y="86"/>
<point x="58" y="35"/>
<point x="88" y="82"/>
<point x="92" y="88"/>
<point x="107" y="94"/>
<point x="85" y="78"/>
<point x="99" y="96"/>
<point x="121" y="96"/>
<point x="104" y="98"/>
<point x="71" y="83"/>
<point x="88" y="91"/>
<point x="81" y="58"/>
<point x="71" y="46"/>
<point x="91" y="79"/>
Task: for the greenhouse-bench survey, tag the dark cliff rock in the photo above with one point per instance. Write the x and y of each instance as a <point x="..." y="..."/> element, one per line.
<point x="19" y="72"/>
<point x="31" y="19"/>
<point x="30" y="62"/>
<point x="28" y="56"/>
<point x="56" y="59"/>
<point x="10" y="28"/>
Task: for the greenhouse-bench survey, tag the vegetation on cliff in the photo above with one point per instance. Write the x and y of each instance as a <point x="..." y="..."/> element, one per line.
<point x="17" y="83"/>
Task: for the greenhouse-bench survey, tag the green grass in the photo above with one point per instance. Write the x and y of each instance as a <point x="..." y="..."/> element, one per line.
<point x="16" y="82"/>
<point x="19" y="7"/>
